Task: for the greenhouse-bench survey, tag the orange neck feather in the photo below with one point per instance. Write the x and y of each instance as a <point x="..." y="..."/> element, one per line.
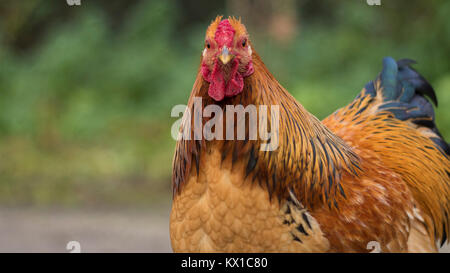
<point x="309" y="160"/>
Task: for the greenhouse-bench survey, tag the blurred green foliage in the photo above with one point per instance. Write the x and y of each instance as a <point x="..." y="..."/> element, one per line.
<point x="85" y="101"/>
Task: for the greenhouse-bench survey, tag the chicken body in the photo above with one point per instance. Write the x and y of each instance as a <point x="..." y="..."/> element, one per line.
<point x="374" y="172"/>
<point x="221" y="211"/>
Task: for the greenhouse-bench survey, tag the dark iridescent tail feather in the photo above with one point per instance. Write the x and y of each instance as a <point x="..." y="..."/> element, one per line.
<point x="405" y="94"/>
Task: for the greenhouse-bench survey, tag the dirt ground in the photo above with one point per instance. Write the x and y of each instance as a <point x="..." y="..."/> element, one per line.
<point x="33" y="230"/>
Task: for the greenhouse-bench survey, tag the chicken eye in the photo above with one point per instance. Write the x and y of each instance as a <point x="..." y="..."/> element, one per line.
<point x="208" y="45"/>
<point x="244" y="43"/>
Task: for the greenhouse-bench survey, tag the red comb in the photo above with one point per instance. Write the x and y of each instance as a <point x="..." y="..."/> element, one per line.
<point x="224" y="34"/>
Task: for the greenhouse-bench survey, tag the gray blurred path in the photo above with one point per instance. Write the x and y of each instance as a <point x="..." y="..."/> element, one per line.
<point x="32" y="230"/>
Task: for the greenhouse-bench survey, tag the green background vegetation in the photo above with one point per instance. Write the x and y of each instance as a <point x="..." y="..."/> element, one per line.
<point x="86" y="92"/>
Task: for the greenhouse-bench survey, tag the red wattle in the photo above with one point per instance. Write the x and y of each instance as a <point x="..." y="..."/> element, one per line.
<point x="216" y="84"/>
<point x="218" y="88"/>
<point x="236" y="83"/>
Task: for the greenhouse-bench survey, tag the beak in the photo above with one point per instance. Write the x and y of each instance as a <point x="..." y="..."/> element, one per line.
<point x="225" y="56"/>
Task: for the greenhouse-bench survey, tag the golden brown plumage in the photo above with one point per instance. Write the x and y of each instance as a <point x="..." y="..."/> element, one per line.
<point x="369" y="172"/>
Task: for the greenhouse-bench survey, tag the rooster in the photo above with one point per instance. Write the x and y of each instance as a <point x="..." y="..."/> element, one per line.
<point x="376" y="172"/>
